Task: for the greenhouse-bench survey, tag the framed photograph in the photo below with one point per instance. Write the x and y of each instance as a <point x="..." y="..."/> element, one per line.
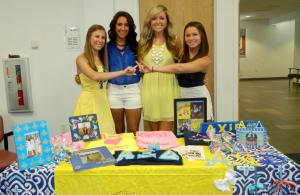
<point x="32" y="144"/>
<point x="252" y="137"/>
<point x="91" y="158"/>
<point x="84" y="127"/>
<point x="189" y="114"/>
<point x="243" y="42"/>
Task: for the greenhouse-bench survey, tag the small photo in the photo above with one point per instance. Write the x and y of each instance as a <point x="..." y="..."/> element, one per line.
<point x="91" y="157"/>
<point x="251" y="139"/>
<point x="33" y="144"/>
<point x="184" y="110"/>
<point x="195" y="124"/>
<point x="196" y="110"/>
<point x="84" y="128"/>
<point x="184" y="125"/>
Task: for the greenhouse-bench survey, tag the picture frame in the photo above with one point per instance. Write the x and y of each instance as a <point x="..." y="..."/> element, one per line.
<point x="84" y="127"/>
<point x="242" y="42"/>
<point x="33" y="144"/>
<point x="189" y="114"/>
<point x="92" y="158"/>
<point x="252" y="137"/>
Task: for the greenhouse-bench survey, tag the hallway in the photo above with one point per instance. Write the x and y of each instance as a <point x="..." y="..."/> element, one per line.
<point x="278" y="108"/>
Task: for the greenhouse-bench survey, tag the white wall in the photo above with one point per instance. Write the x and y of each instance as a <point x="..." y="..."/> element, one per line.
<point x="102" y="11"/>
<point x="52" y="66"/>
<point x="226" y="39"/>
<point x="269" y="49"/>
<point x="297" y="40"/>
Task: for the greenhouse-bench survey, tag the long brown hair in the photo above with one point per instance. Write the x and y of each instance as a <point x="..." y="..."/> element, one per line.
<point x="88" y="51"/>
<point x="204" y="47"/>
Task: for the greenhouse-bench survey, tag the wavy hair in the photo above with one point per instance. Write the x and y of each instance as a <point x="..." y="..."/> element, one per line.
<point x="204" y="47"/>
<point x="147" y="34"/>
<point x="88" y="50"/>
<point x="131" y="36"/>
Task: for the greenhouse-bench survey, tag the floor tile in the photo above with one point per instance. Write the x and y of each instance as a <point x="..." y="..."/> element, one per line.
<point x="278" y="108"/>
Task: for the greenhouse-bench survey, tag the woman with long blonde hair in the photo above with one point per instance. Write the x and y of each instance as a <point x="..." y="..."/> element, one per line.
<point x="193" y="65"/>
<point x="158" y="46"/>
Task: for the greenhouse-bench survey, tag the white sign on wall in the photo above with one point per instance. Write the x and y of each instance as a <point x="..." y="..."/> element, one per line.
<point x="72" y="37"/>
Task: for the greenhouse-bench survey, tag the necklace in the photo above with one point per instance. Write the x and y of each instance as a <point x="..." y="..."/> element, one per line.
<point x="121" y="49"/>
<point x="101" y="83"/>
<point x="157" y="54"/>
<point x="122" y="45"/>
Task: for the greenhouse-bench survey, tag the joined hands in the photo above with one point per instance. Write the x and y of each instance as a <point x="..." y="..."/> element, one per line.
<point x="144" y="68"/>
<point x="130" y="70"/>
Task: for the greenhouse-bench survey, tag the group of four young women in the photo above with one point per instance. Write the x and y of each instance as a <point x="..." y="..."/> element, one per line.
<point x="155" y="54"/>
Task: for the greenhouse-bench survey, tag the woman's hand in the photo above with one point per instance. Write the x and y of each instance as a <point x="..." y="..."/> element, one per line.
<point x="205" y="80"/>
<point x="77" y="79"/>
<point x="144" y="68"/>
<point x="130" y="70"/>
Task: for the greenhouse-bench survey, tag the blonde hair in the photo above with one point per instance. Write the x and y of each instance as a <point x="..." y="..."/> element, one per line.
<point x="88" y="51"/>
<point x="147" y="34"/>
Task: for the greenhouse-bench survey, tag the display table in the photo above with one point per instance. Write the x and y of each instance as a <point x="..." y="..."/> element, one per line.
<point x="193" y="177"/>
<point x="190" y="178"/>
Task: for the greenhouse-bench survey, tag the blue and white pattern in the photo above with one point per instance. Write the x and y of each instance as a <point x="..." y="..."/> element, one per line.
<point x="38" y="180"/>
<point x="267" y="174"/>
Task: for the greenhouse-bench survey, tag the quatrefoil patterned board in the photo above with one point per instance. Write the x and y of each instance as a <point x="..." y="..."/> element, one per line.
<point x="32" y="144"/>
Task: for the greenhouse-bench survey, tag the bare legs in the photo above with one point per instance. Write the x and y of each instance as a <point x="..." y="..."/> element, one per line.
<point x="118" y="116"/>
<point x="160" y="125"/>
<point x="133" y="117"/>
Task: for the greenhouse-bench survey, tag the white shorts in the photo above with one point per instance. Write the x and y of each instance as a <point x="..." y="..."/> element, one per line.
<point x="199" y="91"/>
<point x="124" y="96"/>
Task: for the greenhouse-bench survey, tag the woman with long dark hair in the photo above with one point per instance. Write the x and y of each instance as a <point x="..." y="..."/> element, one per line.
<point x="124" y="92"/>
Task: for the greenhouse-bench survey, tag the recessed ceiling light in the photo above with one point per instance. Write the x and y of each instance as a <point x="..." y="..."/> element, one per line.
<point x="247" y="16"/>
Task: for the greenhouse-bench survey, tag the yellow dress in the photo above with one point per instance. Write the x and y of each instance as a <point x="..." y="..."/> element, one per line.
<point x="159" y="89"/>
<point x="93" y="100"/>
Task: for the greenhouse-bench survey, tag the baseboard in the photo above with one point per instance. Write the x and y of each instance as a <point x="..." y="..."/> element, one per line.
<point x="294" y="156"/>
<point x="264" y="78"/>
